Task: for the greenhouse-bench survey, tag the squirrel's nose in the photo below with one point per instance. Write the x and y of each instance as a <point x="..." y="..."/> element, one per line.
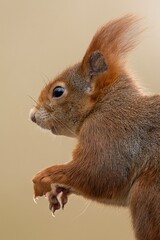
<point x="32" y="116"/>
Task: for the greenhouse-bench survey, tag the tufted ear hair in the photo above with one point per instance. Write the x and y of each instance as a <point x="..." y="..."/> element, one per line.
<point x="111" y="43"/>
<point x="96" y="63"/>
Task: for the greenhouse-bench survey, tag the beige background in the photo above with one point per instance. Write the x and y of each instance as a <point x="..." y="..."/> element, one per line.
<point x="37" y="40"/>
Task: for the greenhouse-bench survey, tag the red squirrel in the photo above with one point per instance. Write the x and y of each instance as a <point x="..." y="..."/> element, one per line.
<point x="117" y="127"/>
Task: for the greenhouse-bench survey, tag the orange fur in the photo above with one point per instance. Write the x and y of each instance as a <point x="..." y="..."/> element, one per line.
<point x="114" y="40"/>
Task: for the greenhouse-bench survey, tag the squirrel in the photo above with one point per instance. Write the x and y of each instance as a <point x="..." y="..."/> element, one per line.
<point x="117" y="157"/>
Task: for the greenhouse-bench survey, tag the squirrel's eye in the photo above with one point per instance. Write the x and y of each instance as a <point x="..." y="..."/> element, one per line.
<point x="58" y="91"/>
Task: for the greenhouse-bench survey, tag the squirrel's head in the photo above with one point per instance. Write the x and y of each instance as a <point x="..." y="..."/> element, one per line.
<point x="66" y="101"/>
<point x="70" y="98"/>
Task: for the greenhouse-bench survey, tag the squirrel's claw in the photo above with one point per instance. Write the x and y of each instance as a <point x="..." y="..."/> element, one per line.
<point x="35" y="199"/>
<point x="54" y="203"/>
<point x="64" y="198"/>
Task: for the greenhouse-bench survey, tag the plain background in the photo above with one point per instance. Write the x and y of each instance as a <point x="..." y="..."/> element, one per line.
<point x="38" y="39"/>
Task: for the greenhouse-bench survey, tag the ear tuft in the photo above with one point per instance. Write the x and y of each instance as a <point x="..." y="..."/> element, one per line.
<point x="114" y="40"/>
<point x="97" y="63"/>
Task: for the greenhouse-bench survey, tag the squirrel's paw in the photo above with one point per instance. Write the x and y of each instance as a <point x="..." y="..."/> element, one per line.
<point x="57" y="197"/>
<point x="42" y="183"/>
<point x="43" y="180"/>
<point x="42" y="186"/>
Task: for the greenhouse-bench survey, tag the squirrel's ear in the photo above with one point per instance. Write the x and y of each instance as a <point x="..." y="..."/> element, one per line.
<point x="96" y="63"/>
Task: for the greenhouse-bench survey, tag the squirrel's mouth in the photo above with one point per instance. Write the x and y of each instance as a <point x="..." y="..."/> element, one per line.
<point x="54" y="130"/>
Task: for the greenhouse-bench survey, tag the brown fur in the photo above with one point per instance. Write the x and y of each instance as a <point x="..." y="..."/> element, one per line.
<point x="117" y="157"/>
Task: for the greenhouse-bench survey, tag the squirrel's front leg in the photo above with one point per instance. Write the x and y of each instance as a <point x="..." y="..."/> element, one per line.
<point x="51" y="182"/>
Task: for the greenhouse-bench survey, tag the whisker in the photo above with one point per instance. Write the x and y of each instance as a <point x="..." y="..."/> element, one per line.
<point x="48" y="108"/>
<point x="46" y="79"/>
<point x="64" y="125"/>
<point x="34" y="101"/>
<point x="83" y="210"/>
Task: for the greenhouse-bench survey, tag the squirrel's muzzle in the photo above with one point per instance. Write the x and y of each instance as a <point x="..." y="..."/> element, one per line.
<point x="32" y="115"/>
